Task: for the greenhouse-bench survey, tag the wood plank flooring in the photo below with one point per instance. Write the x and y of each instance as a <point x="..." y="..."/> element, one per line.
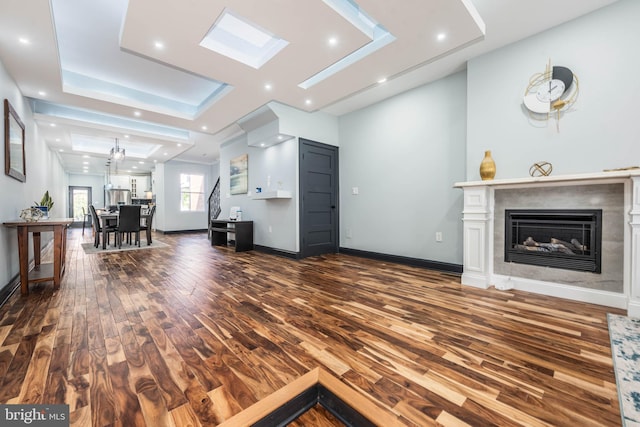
<point x="190" y="335"/>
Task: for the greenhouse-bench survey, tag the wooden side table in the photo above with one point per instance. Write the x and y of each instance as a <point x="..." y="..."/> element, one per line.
<point x="41" y="272"/>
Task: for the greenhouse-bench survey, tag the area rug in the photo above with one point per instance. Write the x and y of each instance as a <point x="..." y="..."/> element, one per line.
<point x="624" y="333"/>
<point x="90" y="249"/>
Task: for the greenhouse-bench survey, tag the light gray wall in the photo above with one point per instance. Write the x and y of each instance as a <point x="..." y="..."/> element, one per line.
<point x="276" y="222"/>
<point x="601" y="132"/>
<point x="169" y="217"/>
<point x="267" y="168"/>
<point x="404" y="154"/>
<point x="96" y="182"/>
<point x="44" y="172"/>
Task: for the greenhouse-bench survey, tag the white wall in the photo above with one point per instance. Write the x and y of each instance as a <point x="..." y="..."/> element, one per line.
<point x="403" y="154"/>
<point x="44" y="172"/>
<point x="96" y="182"/>
<point x="601" y="132"/>
<point x="267" y="168"/>
<point x="169" y="217"/>
<point x="276" y="222"/>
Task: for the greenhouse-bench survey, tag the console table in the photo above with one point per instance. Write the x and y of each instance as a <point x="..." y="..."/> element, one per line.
<point x="243" y="231"/>
<point x="41" y="272"/>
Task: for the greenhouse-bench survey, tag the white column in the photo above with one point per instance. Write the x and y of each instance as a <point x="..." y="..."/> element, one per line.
<point x="633" y="308"/>
<point x="478" y="236"/>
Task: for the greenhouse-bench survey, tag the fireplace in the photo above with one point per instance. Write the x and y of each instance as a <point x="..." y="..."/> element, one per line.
<point x="567" y="238"/>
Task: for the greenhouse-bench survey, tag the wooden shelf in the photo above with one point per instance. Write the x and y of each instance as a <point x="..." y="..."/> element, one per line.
<point x="276" y="194"/>
<point x="243" y="231"/>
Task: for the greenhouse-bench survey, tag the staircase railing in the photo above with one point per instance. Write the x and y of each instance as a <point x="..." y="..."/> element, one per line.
<point x="214" y="205"/>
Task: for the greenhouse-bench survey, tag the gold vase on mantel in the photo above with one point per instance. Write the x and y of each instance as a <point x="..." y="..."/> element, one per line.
<point x="487" y="167"/>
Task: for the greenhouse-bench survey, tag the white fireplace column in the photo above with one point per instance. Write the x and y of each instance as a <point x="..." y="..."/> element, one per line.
<point x="477" y="218"/>
<point x="633" y="308"/>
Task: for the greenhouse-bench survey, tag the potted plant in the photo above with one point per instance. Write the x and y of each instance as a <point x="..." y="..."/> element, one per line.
<point x="46" y="204"/>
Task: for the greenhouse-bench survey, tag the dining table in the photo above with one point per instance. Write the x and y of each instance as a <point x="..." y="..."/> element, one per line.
<point x="107" y="216"/>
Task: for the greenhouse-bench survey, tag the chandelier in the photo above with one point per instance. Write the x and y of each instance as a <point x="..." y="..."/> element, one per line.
<point x="117" y="153"/>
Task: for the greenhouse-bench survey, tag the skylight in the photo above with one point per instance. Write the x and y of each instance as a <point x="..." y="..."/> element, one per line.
<point x="242" y="41"/>
<point x="357" y="17"/>
<point x="93" y="64"/>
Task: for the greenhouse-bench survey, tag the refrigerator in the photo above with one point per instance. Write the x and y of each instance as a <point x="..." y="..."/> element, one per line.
<point x="116" y="196"/>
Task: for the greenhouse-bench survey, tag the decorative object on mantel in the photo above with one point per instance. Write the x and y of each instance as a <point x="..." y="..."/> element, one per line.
<point x="540" y="169"/>
<point x="554" y="90"/>
<point x="487" y="167"/>
<point x="31" y="214"/>
<point x="629" y="168"/>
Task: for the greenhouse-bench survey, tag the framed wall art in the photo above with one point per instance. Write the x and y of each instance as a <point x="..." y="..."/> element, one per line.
<point x="14" y="161"/>
<point x="239" y="174"/>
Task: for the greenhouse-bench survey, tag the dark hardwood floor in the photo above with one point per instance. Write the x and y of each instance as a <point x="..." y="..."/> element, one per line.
<point x="192" y="334"/>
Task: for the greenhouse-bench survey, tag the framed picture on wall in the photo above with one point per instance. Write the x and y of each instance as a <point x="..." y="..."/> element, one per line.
<point x="239" y="174"/>
<point x="14" y="161"/>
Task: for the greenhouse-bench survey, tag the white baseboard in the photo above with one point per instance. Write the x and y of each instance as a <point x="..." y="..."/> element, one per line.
<point x="633" y="310"/>
<point x="593" y="296"/>
<point x="475" y="280"/>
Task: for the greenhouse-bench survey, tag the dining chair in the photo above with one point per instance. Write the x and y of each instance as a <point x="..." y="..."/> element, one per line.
<point x="85" y="217"/>
<point x="147" y="222"/>
<point x="128" y="222"/>
<point x="97" y="227"/>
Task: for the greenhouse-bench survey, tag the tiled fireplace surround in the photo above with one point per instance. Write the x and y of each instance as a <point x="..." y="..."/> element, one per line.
<point x="616" y="193"/>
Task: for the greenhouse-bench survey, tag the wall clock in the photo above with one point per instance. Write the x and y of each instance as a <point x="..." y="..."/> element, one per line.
<point x="553" y="91"/>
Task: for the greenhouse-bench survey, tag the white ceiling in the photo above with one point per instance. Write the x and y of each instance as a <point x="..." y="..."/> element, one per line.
<point x="98" y="64"/>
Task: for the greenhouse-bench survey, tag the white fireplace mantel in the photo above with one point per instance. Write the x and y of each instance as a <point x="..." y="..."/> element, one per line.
<point x="478" y="236"/>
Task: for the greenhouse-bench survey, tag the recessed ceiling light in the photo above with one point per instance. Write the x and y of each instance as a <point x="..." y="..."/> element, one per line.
<point x="441" y="36"/>
<point x="85" y="171"/>
<point x="137" y="113"/>
<point x="58" y="140"/>
<point x="159" y="45"/>
<point x="61" y="150"/>
<point x="52" y="125"/>
<point x="382" y="80"/>
<point x="333" y="41"/>
<point x="280" y="137"/>
<point x="141" y="162"/>
<point x="166" y="154"/>
<point x="86" y="156"/>
<point x="268" y="86"/>
<point x="179" y="145"/>
<point x="307" y="101"/>
<point x="134" y="167"/>
<point x="126" y="136"/>
<point x="155" y="161"/>
<point x="85" y="163"/>
<point x="24" y="40"/>
<point x="42" y="93"/>
<point x="204" y="128"/>
<point x="262" y="144"/>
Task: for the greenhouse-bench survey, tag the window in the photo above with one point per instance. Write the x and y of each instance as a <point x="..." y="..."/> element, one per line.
<point x="191" y="193"/>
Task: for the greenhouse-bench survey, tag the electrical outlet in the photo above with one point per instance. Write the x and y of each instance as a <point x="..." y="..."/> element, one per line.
<point x="438" y="236"/>
<point x="355" y="191"/>
<point x="270" y="229"/>
<point x="348" y="232"/>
